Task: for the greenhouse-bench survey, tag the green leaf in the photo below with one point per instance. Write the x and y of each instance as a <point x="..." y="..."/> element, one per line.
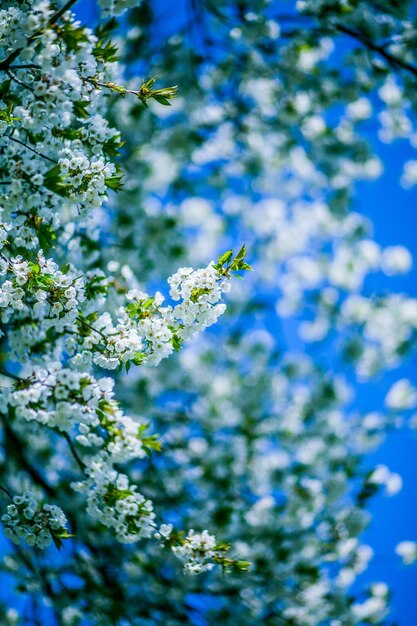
<point x="114" y="182"/>
<point x="243" y="566"/>
<point x="64" y="534"/>
<point x="80" y="108"/>
<point x="106" y="51"/>
<point x="163" y="101"/>
<point x="57" y="537"/>
<point x="66" y="133"/>
<point x="57" y="541"/>
<point x="112" y="146"/>
<point x="176" y="342"/>
<point x="138" y="358"/>
<point x="246" y="266"/>
<point x="55" y="181"/>
<point x="241" y="254"/>
<point x="151" y="444"/>
<point x="225" y="258"/>
<point x="142" y="428"/>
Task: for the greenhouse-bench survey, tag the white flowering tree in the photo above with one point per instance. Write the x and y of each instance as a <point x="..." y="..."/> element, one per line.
<point x="259" y="463"/>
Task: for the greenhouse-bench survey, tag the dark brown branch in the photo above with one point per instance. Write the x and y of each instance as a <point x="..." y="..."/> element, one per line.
<point x="6" y="491"/>
<point x="42" y="576"/>
<point x="80" y="319"/>
<point x="25" y="66"/>
<point x="61" y="11"/>
<point x="22" y="143"/>
<point x="4" y="372"/>
<point x="17" y="448"/>
<point x="368" y="43"/>
<point x="74" y="452"/>
<point x="18" y="81"/>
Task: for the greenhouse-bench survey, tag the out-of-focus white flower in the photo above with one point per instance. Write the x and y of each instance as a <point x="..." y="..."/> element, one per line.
<point x="407" y="551"/>
<point x="390" y="480"/>
<point x="402" y="395"/>
<point x="409" y="175"/>
<point x="396" y="260"/>
<point x="361" y="109"/>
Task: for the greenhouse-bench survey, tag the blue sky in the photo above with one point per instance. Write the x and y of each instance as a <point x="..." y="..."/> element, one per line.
<point x="393" y="213"/>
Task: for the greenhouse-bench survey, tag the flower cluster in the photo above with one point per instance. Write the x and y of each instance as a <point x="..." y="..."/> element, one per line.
<point x="148" y="332"/>
<point x="56" y="146"/>
<point x="200" y="291"/>
<point x="87" y="179"/>
<point x="199" y="552"/>
<point x="59" y="398"/>
<point x="37" y="525"/>
<point x="290" y="458"/>
<point x="379" y="330"/>
<point x="41" y="288"/>
<point x="63" y="315"/>
<point x="116" y="503"/>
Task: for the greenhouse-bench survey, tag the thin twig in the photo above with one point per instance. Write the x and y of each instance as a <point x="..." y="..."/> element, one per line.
<point x="61" y="11"/>
<point x="6" y="491"/>
<point x="75" y="454"/>
<point x="18" y="81"/>
<point x="368" y="43"/>
<point x="25" y="66"/>
<point x="10" y="375"/>
<point x="31" y="149"/>
<point x="80" y="319"/>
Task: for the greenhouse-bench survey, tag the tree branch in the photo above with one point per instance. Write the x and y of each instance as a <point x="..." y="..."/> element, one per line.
<point x="18" y="81"/>
<point x="17" y="448"/>
<point x="22" y="143"/>
<point x="75" y="454"/>
<point x="4" y="372"/>
<point x="61" y="11"/>
<point x="368" y="43"/>
<point x="6" y="491"/>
